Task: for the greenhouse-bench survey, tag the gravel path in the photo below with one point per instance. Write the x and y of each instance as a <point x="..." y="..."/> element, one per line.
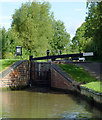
<point x="95" y="69"/>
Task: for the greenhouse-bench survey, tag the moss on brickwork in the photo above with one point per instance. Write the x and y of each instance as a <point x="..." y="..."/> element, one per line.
<point x="17" y="87"/>
<point x="5" y="89"/>
<point x="13" y="88"/>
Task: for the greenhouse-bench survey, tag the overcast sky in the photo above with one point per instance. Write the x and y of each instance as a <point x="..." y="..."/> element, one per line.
<point x="71" y="12"/>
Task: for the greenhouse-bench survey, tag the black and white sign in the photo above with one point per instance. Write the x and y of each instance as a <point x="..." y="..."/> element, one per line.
<point x="88" y="54"/>
<point x="18" y="50"/>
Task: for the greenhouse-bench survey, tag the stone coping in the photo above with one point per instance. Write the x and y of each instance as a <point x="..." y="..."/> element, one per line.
<point x="9" y="69"/>
<point x="91" y="91"/>
<point x="67" y="62"/>
<point x="92" y="95"/>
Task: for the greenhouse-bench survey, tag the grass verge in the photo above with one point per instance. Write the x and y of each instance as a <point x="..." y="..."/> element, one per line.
<point x="82" y="76"/>
<point x="96" y="86"/>
<point x="78" y="73"/>
<point x="5" y="63"/>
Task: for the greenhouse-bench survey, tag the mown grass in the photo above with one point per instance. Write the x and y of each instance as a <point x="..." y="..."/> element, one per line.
<point x="4" y="63"/>
<point x="82" y="76"/>
<point x="78" y="73"/>
<point x="96" y="86"/>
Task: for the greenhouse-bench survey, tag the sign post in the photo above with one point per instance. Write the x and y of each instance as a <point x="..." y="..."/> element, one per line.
<point x="18" y="51"/>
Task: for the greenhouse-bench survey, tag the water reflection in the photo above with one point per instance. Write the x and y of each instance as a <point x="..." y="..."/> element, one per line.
<point x="44" y="103"/>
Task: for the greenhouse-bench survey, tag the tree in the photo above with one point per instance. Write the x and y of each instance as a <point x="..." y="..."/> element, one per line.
<point x="61" y="38"/>
<point x="3" y="41"/>
<point x="79" y="41"/>
<point x="89" y="36"/>
<point x="0" y="43"/>
<point x="32" y="26"/>
<point x="94" y="26"/>
<point x="35" y="29"/>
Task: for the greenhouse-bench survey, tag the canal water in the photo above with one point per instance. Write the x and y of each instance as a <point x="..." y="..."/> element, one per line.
<point x="45" y="103"/>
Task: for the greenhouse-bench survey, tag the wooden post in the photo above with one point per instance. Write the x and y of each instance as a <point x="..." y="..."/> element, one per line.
<point x="30" y="67"/>
<point x="48" y="52"/>
<point x="30" y="58"/>
<point x="60" y="52"/>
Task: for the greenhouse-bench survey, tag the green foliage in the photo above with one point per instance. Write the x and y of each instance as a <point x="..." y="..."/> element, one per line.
<point x="79" y="40"/>
<point x="32" y="24"/>
<point x="0" y="43"/>
<point x="88" y="37"/>
<point x="8" y="44"/>
<point x="35" y="29"/>
<point x="94" y="27"/>
<point x="3" y="40"/>
<point x="77" y="73"/>
<point x="61" y="38"/>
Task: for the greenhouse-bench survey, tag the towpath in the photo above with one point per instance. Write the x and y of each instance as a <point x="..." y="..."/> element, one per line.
<point x="95" y="69"/>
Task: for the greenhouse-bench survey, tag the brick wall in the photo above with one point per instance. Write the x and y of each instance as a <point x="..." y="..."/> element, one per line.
<point x="19" y="75"/>
<point x="61" y="80"/>
<point x="16" y="75"/>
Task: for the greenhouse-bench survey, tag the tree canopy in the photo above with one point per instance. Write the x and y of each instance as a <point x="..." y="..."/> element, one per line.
<point x="61" y="38"/>
<point x="88" y="37"/>
<point x="32" y="24"/>
<point x="94" y="26"/>
<point x="35" y="29"/>
<point x="79" y="40"/>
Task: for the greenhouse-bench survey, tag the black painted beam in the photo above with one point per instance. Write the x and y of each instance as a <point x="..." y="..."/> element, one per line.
<point x="58" y="56"/>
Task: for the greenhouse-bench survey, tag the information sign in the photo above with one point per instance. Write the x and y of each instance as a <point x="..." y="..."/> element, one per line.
<point x="88" y="54"/>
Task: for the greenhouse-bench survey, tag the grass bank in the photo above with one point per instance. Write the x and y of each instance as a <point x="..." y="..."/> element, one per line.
<point x="4" y="63"/>
<point x="96" y="86"/>
<point x="78" y="73"/>
<point x="82" y="76"/>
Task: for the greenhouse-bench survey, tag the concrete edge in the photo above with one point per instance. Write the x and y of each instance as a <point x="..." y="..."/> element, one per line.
<point x="90" y="90"/>
<point x="91" y="94"/>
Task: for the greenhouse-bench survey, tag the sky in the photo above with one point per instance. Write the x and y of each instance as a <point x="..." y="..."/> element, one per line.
<point x="71" y="12"/>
